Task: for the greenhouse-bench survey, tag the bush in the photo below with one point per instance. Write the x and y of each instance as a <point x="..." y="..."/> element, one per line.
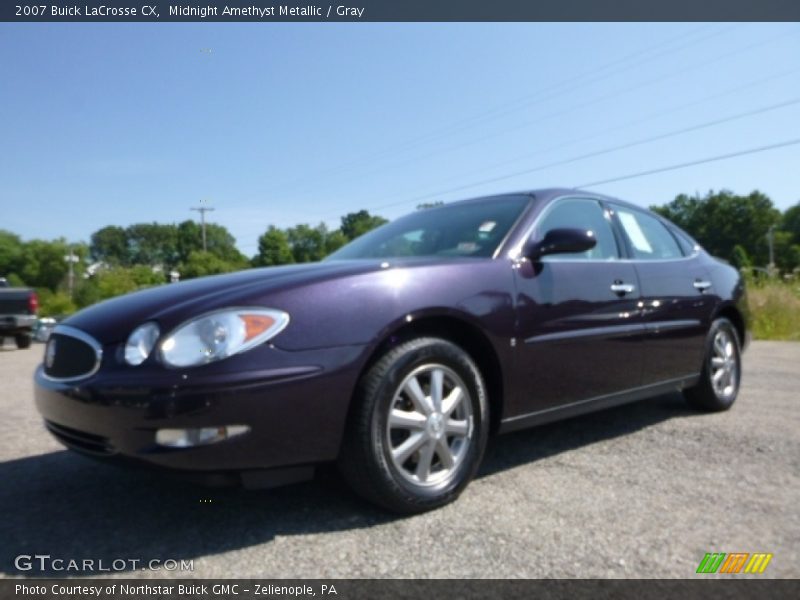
<point x="56" y="304"/>
<point x="115" y="281"/>
<point x="775" y="310"/>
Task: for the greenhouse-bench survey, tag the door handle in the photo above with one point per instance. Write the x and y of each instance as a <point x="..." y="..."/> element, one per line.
<point x="702" y="285"/>
<point x="622" y="288"/>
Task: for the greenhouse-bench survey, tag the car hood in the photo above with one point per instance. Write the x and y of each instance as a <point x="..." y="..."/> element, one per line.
<point x="113" y="320"/>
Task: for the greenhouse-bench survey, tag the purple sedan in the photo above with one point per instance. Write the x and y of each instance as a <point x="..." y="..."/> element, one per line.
<point x="399" y="354"/>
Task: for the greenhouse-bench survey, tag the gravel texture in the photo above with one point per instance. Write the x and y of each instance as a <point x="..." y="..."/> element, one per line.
<point x="643" y="490"/>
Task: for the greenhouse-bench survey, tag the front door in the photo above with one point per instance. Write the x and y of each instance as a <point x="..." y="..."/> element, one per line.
<point x="579" y="321"/>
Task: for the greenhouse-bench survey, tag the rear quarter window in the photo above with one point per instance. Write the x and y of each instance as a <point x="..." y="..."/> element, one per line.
<point x="687" y="244"/>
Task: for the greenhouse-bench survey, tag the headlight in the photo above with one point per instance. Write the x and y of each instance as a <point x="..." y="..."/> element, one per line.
<point x="220" y="334"/>
<point x="140" y="343"/>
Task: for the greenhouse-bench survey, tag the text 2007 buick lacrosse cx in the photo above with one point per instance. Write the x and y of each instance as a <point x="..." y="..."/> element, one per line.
<point x="401" y="352"/>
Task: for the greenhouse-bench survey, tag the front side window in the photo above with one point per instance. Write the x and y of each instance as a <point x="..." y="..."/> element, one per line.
<point x="649" y="238"/>
<point x="580" y="213"/>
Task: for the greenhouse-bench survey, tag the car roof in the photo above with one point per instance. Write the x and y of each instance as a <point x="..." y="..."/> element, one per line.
<point x="545" y="194"/>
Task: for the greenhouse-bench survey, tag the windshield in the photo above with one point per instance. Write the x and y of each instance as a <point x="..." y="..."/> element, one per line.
<point x="456" y="230"/>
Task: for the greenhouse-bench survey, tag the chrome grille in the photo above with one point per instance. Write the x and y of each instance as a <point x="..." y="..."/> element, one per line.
<point x="71" y="354"/>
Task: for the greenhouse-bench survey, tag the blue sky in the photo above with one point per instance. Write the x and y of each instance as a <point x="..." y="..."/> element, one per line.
<point x="285" y="123"/>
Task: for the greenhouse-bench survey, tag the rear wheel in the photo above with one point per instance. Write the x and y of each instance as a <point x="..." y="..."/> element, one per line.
<point x="419" y="427"/>
<point x="23" y="340"/>
<point x="722" y="370"/>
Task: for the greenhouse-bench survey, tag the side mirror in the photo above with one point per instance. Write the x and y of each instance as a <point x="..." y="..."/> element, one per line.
<point x="558" y="241"/>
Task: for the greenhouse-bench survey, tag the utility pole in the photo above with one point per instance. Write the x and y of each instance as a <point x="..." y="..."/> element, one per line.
<point x="71" y="259"/>
<point x="203" y="210"/>
<point x="771" y="241"/>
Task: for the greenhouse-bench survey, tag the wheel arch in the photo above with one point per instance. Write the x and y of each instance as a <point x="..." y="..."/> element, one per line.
<point x="459" y="330"/>
<point x="729" y="311"/>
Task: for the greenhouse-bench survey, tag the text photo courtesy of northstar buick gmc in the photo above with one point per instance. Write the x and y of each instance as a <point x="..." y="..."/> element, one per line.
<point x="399" y="354"/>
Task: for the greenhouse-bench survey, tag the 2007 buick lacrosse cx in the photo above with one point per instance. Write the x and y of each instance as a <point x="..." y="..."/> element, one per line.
<point x="399" y="354"/>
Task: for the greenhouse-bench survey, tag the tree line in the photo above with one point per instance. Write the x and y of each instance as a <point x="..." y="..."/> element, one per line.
<point x="738" y="228"/>
<point x="117" y="260"/>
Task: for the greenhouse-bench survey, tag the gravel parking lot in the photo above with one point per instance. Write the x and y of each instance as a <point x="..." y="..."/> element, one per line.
<point x="643" y="490"/>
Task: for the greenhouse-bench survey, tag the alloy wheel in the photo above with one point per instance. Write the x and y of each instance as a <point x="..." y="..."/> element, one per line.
<point x="724" y="366"/>
<point x="429" y="426"/>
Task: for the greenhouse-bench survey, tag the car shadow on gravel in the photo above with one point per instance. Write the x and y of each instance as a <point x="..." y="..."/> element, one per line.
<point x="70" y="507"/>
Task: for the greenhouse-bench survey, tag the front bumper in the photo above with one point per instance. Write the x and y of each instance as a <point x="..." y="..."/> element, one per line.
<point x="296" y="412"/>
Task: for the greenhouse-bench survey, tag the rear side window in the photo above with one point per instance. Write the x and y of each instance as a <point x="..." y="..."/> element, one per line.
<point x="649" y="238"/>
<point x="581" y="213"/>
<point x="688" y="245"/>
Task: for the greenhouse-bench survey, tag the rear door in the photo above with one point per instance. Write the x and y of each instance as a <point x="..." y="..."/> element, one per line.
<point x="676" y="296"/>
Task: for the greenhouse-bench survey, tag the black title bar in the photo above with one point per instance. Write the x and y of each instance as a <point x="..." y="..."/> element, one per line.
<point x="347" y="589"/>
<point x="399" y="10"/>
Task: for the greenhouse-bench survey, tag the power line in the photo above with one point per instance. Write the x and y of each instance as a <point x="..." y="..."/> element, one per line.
<point x="660" y="78"/>
<point x="693" y="163"/>
<point x="683" y="165"/>
<point x="519" y="126"/>
<point x="537" y="97"/>
<point x="526" y="100"/>
<point x="547" y="149"/>
<point x="607" y="150"/>
<point x="650" y="117"/>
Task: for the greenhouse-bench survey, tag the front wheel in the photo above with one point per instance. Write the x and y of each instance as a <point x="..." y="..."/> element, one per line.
<point x="23" y="340"/>
<point x="722" y="370"/>
<point x="418" y="430"/>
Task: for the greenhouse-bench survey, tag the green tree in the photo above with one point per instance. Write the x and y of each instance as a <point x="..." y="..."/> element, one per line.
<point x="153" y="244"/>
<point x="789" y="257"/>
<point x="335" y="240"/>
<point x="54" y="304"/>
<point x="105" y="284"/>
<point x="145" y="276"/>
<point x="15" y="280"/>
<point x="200" y="264"/>
<point x="308" y="243"/>
<point x="273" y="248"/>
<point x="44" y="265"/>
<point x="358" y="223"/>
<point x="189" y="239"/>
<point x="790" y="222"/>
<point x="722" y="220"/>
<point x="787" y="254"/>
<point x="219" y="241"/>
<point x="740" y="259"/>
<point x="115" y="281"/>
<point x="110" y="245"/>
<point x="11" y="253"/>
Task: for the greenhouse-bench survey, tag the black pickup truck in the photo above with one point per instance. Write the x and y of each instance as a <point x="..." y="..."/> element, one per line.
<point x="18" y="307"/>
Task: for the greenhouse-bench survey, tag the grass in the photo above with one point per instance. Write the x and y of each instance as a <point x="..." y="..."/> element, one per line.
<point x="775" y="310"/>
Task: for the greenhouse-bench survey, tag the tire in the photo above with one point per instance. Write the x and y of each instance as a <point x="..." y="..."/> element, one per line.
<point x="722" y="370"/>
<point x="426" y="455"/>
<point x="23" y="340"/>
